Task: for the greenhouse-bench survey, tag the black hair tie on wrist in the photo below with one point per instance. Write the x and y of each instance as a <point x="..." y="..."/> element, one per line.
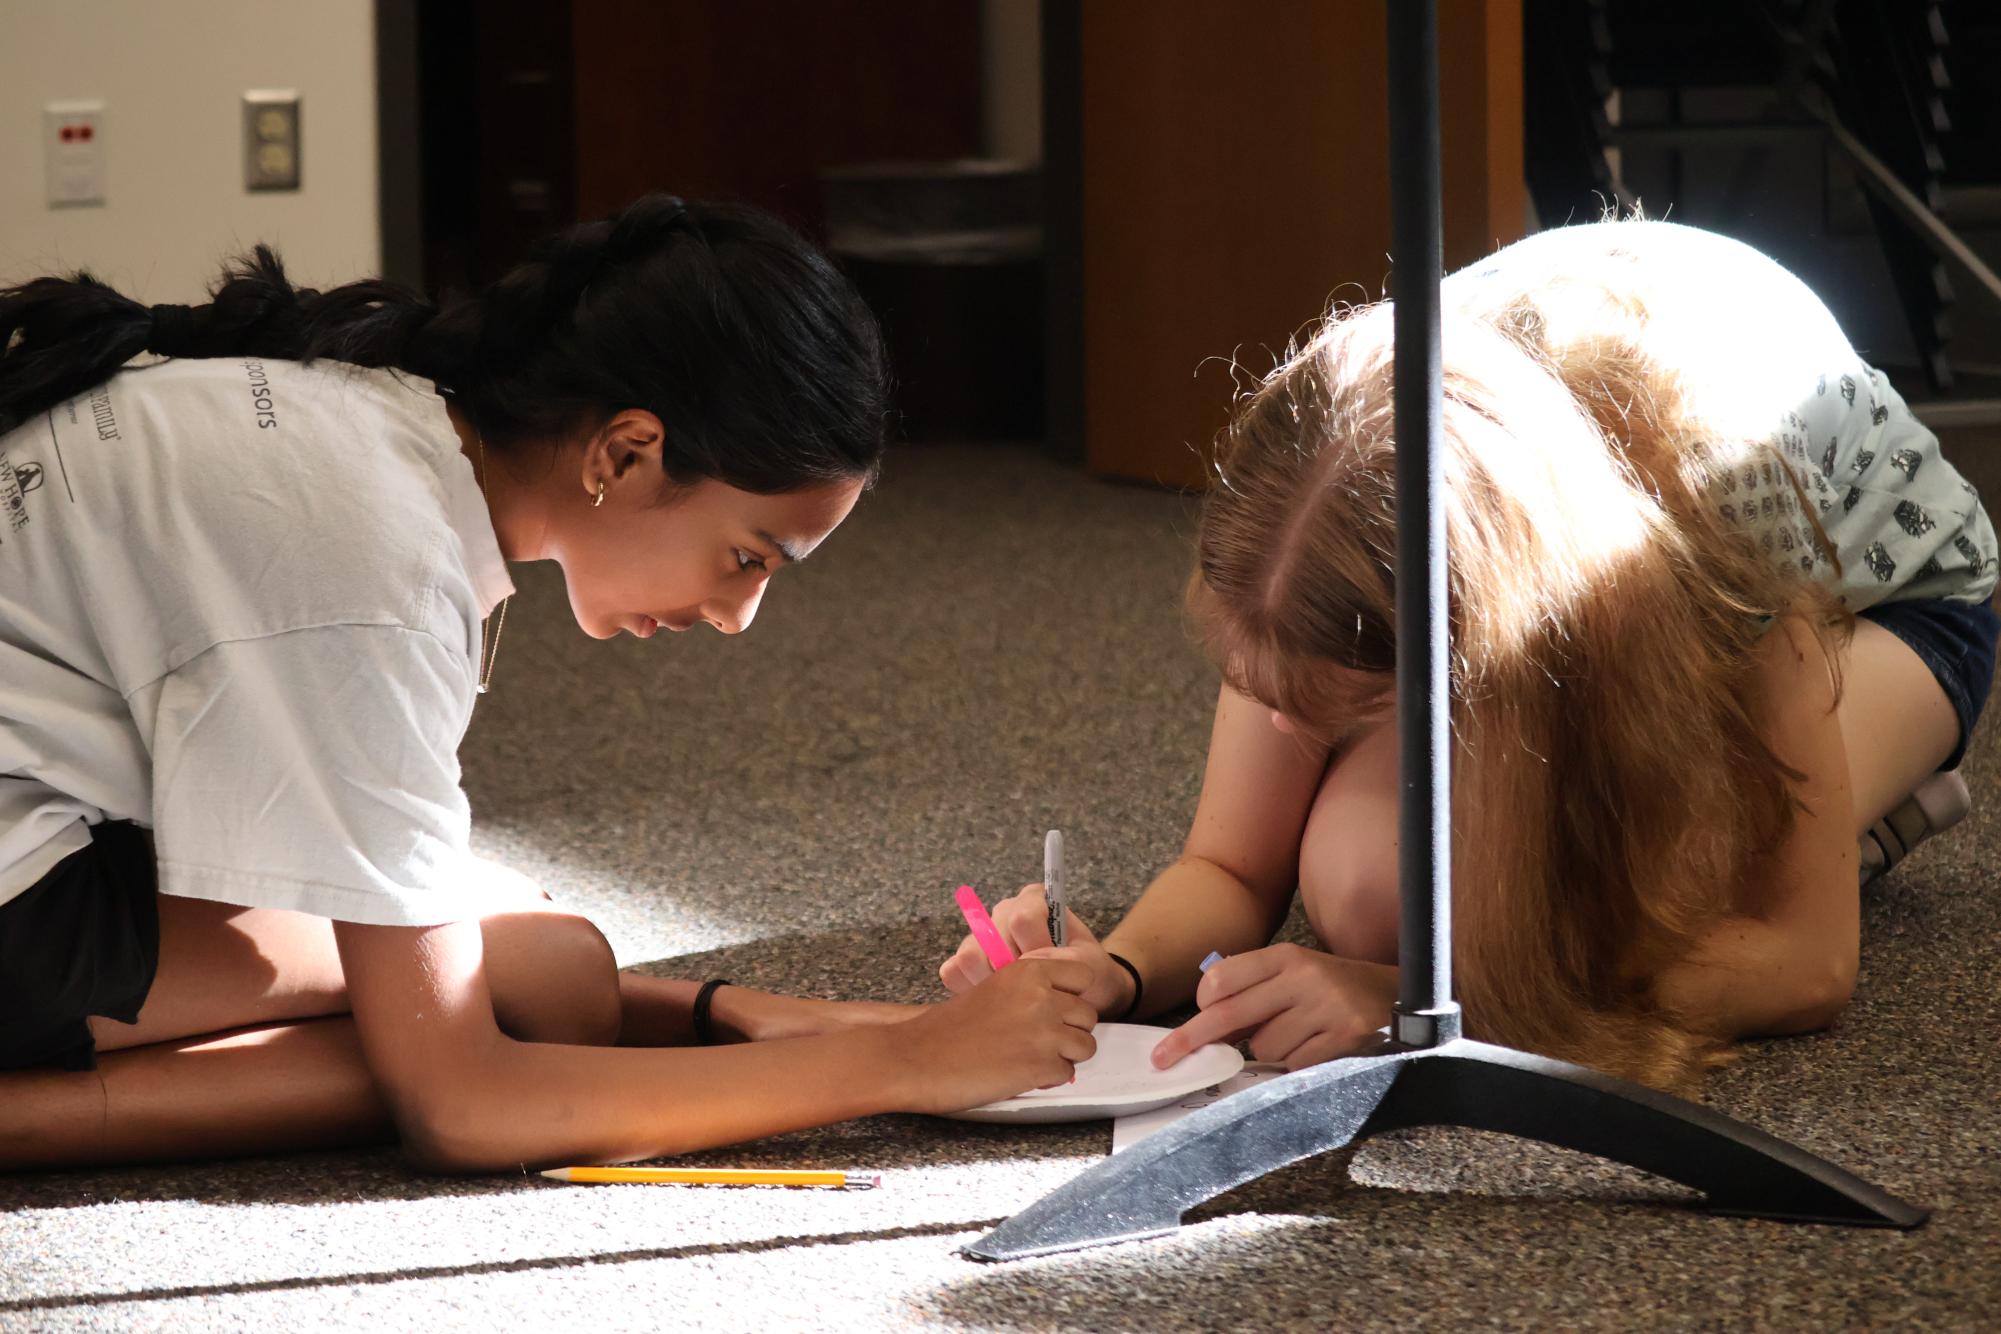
<point x="705" y="998"/>
<point x="1139" y="989"/>
<point x="174" y="330"/>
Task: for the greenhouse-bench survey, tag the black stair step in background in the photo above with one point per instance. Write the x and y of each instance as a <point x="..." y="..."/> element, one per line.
<point x="1910" y="79"/>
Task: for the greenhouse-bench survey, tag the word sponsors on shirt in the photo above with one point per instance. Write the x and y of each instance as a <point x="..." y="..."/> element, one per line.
<point x="260" y="395"/>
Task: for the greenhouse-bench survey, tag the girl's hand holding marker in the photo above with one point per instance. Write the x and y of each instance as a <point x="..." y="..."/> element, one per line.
<point x="1029" y="1029"/>
<point x="1036" y="924"/>
<point x="1021" y="926"/>
<point x="1297" y="1006"/>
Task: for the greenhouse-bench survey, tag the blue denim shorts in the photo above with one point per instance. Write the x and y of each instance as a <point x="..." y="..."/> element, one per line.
<point x="1956" y="640"/>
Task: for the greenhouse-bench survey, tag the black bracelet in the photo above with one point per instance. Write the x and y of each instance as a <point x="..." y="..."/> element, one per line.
<point x="1139" y="988"/>
<point x="704" y="998"/>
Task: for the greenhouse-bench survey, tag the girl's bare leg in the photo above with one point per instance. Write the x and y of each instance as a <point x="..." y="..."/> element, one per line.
<point x="220" y="1062"/>
<point x="223" y="967"/>
<point x="274" y="1089"/>
<point x="1348" y="853"/>
<point x="1896" y="722"/>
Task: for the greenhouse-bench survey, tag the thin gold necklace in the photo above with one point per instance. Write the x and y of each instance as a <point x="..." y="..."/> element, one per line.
<point x="487" y="653"/>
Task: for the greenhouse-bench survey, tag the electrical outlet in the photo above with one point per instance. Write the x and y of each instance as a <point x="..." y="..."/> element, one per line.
<point x="73" y="152"/>
<point x="271" y="139"/>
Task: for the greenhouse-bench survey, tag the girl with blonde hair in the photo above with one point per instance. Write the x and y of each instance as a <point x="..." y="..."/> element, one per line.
<point x="1719" y="632"/>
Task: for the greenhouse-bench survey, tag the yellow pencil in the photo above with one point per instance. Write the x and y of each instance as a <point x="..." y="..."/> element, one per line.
<point x="715" y="1176"/>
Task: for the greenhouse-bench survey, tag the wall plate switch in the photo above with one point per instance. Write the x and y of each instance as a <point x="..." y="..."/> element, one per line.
<point x="73" y="152"/>
<point x="271" y="139"/>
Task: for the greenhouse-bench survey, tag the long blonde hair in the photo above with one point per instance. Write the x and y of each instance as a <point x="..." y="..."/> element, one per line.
<point x="1611" y="789"/>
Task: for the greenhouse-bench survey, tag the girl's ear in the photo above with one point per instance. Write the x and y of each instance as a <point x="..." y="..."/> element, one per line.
<point x="629" y="445"/>
<point x="635" y="437"/>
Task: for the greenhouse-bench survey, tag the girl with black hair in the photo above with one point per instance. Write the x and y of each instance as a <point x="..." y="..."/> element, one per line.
<point x="249" y="592"/>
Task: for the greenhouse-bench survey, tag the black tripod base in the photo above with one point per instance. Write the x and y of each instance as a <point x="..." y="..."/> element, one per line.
<point x="1145" y="1190"/>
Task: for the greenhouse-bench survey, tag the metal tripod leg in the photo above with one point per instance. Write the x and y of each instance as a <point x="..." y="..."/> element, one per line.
<point x="1145" y="1190"/>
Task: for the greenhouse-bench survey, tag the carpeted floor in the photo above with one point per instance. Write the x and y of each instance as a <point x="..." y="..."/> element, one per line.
<point x="990" y="648"/>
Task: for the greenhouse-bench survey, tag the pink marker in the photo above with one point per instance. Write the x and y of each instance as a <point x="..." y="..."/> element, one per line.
<point x="983" y="929"/>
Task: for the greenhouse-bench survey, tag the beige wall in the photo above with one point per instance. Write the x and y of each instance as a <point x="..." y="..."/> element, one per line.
<point x="172" y="76"/>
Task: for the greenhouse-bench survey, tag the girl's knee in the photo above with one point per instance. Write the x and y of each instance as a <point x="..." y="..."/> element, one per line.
<point x="1353" y="909"/>
<point x="1348" y="854"/>
<point x="593" y="1014"/>
<point x="554" y="978"/>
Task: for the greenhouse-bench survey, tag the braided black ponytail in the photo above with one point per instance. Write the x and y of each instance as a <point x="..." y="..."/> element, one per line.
<point x="762" y="362"/>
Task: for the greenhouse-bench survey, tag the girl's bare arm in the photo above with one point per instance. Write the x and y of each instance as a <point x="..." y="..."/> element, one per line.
<point x="1233" y="882"/>
<point x="1228" y="891"/>
<point x="467" y="1098"/>
<point x="659" y="1012"/>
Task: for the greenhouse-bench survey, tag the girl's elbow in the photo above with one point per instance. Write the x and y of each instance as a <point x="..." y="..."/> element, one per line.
<point x="1837" y="988"/>
<point x="446" y="1122"/>
<point x="449" y="1136"/>
<point x="1818" y="996"/>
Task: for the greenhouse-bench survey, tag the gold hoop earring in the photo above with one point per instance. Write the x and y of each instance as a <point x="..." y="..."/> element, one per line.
<point x="600" y="500"/>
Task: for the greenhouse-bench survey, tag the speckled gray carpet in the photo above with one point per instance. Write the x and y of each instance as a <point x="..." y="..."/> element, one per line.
<point x="991" y="647"/>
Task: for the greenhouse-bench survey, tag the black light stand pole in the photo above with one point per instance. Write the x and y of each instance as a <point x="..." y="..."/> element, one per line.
<point x="1428" y="1074"/>
<point x="1425" y="1014"/>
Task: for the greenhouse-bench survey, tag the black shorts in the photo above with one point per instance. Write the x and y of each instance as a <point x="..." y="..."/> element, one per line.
<point x="83" y="940"/>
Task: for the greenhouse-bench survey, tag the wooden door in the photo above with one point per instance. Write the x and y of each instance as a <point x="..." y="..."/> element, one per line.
<point x="1217" y="175"/>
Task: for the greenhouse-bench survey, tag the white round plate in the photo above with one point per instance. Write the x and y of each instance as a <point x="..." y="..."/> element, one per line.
<point x="1118" y="1081"/>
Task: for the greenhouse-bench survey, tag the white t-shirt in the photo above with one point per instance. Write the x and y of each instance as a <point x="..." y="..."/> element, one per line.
<point x="240" y="603"/>
<point x="1763" y="363"/>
